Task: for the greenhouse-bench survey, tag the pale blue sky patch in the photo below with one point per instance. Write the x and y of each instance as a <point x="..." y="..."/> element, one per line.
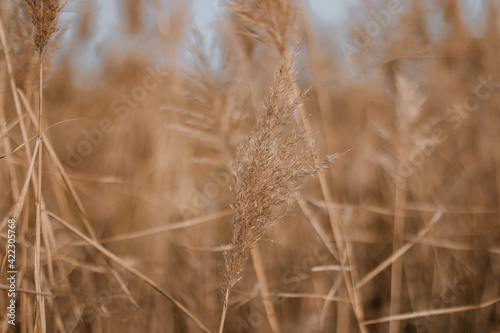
<point x="331" y="17"/>
<point x="331" y="11"/>
<point x="109" y="26"/>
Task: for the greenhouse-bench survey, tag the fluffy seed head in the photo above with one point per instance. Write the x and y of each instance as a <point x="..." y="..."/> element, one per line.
<point x="268" y="170"/>
<point x="44" y="15"/>
<point x="273" y="22"/>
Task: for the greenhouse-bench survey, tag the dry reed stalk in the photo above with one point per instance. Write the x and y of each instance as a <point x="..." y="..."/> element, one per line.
<point x="267" y="173"/>
<point x="258" y="265"/>
<point x="44" y="15"/>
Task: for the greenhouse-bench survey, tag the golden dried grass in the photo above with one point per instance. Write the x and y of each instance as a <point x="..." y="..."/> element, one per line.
<point x="401" y="234"/>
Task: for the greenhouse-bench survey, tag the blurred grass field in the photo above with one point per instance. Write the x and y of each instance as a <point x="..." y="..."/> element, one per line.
<point x="145" y="134"/>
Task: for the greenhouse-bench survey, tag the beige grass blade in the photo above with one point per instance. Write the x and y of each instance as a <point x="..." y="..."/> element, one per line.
<point x="311" y="295"/>
<point x="329" y="298"/>
<point x="316" y="226"/>
<point x="21" y="290"/>
<point x="22" y="197"/>
<point x="428" y="313"/>
<point x="173" y="226"/>
<point x="400" y="252"/>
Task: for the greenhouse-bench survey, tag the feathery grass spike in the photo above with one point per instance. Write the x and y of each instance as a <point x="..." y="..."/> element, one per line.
<point x="268" y="170"/>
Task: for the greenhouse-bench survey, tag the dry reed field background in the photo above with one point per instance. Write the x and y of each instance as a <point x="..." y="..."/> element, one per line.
<point x="288" y="174"/>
